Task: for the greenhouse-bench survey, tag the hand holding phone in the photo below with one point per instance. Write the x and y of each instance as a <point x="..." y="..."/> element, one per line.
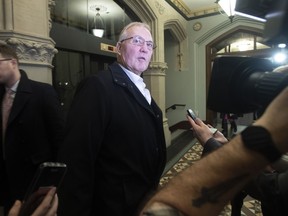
<point x="193" y="116"/>
<point x="48" y="175"/>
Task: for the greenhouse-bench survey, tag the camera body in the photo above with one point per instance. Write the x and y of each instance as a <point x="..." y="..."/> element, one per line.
<point x="243" y="84"/>
<point x="246" y="84"/>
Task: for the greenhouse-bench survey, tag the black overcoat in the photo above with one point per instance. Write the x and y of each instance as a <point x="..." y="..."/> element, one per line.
<point x="33" y="135"/>
<point x="114" y="147"/>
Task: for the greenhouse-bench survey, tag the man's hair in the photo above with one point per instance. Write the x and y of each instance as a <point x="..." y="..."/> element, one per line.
<point x="8" y="52"/>
<point x="123" y="34"/>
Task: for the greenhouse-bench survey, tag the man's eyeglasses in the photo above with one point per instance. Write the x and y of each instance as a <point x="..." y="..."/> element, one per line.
<point x="139" y="41"/>
<point x="5" y="59"/>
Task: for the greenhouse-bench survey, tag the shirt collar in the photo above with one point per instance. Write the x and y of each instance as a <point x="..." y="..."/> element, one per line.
<point x="15" y="86"/>
<point x="133" y="77"/>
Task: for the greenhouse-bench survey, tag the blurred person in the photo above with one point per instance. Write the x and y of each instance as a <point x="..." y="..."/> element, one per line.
<point x="114" y="144"/>
<point x="205" y="188"/>
<point x="31" y="127"/>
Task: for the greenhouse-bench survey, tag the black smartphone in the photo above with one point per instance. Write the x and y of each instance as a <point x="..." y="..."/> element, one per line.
<point x="193" y="116"/>
<point x="48" y="175"/>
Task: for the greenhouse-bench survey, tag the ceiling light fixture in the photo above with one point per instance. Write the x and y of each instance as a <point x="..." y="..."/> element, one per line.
<point x="228" y="6"/>
<point x="99" y="25"/>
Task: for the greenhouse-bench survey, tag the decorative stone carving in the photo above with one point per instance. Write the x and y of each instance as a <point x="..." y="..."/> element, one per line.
<point x="51" y="3"/>
<point x="180" y="60"/>
<point x="32" y="51"/>
<point x="157" y="68"/>
<point x="161" y="9"/>
<point x="197" y="26"/>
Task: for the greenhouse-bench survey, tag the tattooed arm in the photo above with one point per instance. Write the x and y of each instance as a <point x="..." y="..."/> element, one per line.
<point x="206" y="187"/>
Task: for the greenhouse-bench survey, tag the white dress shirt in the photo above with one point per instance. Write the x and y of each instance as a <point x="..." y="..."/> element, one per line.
<point x="138" y="81"/>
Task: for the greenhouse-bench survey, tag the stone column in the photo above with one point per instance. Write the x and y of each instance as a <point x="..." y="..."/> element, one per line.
<point x="154" y="78"/>
<point x="25" y="25"/>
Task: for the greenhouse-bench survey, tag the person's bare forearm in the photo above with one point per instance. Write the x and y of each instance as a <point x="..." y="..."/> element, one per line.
<point x="207" y="193"/>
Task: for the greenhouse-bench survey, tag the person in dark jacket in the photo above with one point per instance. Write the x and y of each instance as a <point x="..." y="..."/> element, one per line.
<point x="31" y="127"/>
<point x="114" y="144"/>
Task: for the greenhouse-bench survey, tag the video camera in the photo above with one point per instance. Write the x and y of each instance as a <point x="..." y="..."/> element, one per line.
<point x="247" y="84"/>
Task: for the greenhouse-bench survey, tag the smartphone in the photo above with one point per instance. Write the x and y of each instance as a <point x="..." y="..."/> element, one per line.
<point x="193" y="116"/>
<point x="49" y="174"/>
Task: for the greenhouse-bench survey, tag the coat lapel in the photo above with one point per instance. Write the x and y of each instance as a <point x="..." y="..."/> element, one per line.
<point x="23" y="94"/>
<point x="121" y="78"/>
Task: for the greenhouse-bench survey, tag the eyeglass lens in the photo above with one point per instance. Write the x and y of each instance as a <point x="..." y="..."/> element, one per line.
<point x="139" y="41"/>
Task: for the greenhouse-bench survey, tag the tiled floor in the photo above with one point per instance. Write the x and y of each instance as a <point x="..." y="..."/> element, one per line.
<point x="251" y="207"/>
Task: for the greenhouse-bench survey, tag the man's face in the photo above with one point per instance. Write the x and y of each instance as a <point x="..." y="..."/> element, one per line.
<point x="7" y="65"/>
<point x="136" y="57"/>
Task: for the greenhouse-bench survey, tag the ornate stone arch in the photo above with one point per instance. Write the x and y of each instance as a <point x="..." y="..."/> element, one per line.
<point x="176" y="29"/>
<point x="178" y="32"/>
<point x="143" y="10"/>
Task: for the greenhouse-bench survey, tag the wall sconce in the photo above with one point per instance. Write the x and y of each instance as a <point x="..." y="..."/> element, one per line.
<point x="228" y="6"/>
<point x="98" y="22"/>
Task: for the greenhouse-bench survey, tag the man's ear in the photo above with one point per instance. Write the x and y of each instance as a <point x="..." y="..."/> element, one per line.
<point x="118" y="47"/>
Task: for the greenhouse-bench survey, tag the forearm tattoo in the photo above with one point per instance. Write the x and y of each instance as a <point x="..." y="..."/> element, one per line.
<point x="212" y="195"/>
<point x="162" y="211"/>
<point x="208" y="195"/>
